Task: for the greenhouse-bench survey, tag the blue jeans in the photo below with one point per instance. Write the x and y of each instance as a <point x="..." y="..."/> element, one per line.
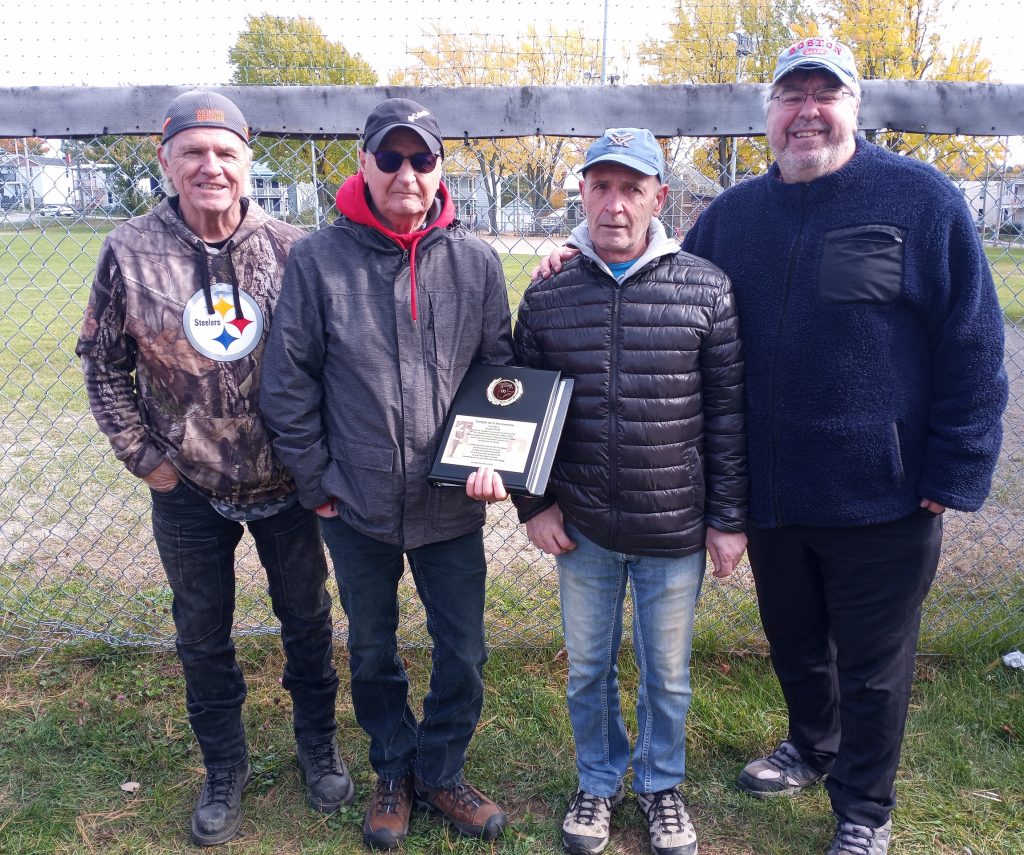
<point x="592" y="582"/>
<point x="450" y="578"/>
<point x="197" y="549"/>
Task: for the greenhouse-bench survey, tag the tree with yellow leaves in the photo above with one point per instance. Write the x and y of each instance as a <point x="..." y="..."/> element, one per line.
<point x="899" y="40"/>
<point x="529" y="169"/>
<point x="704" y="46"/>
<point x="892" y="39"/>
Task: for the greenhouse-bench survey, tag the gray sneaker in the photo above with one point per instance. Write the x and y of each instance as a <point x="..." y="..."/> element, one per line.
<point x="671" y="830"/>
<point x="587" y="825"/>
<point x="781" y="773"/>
<point x="853" y="839"/>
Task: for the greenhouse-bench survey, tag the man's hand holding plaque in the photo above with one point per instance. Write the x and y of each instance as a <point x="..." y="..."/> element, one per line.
<point x="486" y="485"/>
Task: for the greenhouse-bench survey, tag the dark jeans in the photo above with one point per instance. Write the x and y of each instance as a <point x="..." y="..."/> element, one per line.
<point x="841" y="608"/>
<point x="450" y="578"/>
<point x="197" y="548"/>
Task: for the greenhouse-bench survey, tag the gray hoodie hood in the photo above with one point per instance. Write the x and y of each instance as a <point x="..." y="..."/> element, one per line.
<point x="658" y="244"/>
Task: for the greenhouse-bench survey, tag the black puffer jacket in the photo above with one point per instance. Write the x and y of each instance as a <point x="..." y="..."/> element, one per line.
<point x="654" y="446"/>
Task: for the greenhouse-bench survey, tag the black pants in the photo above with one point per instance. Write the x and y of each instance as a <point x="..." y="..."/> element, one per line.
<point x="197" y="548"/>
<point x="841" y="608"/>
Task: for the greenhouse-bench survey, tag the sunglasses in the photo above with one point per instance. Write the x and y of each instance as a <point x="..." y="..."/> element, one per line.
<point x="391" y="161"/>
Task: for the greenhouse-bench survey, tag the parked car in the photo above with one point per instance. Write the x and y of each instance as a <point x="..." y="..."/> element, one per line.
<point x="50" y="210"/>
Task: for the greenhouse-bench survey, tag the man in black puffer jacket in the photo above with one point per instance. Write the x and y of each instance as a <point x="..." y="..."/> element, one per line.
<point x="651" y="470"/>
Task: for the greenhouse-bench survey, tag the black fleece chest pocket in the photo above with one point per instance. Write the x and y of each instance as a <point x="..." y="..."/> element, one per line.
<point x="861" y="264"/>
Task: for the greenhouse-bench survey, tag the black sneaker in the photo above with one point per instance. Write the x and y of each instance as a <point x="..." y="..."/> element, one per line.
<point x="218" y="812"/>
<point x="328" y="784"/>
<point x="781" y="773"/>
<point x="853" y="839"/>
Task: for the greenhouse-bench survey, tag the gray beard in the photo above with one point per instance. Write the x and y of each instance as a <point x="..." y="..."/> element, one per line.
<point x="814" y="164"/>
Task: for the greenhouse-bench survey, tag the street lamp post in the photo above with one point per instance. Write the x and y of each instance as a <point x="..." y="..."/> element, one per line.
<point x="744" y="48"/>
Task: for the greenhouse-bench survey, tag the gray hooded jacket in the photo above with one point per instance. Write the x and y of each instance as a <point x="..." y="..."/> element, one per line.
<point x="356" y="390"/>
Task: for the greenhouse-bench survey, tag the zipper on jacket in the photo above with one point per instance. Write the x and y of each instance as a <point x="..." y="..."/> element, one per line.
<point x="794" y="254"/>
<point x="613" y="406"/>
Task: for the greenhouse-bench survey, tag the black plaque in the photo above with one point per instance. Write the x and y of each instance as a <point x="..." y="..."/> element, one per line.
<point x="506" y="417"/>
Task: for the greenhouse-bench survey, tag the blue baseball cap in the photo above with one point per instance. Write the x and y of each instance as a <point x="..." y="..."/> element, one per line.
<point x="827" y="54"/>
<point x="633" y="147"/>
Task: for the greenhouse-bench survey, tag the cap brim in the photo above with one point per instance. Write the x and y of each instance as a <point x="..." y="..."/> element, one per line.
<point x="815" y="64"/>
<point x="624" y="160"/>
<point x="429" y="140"/>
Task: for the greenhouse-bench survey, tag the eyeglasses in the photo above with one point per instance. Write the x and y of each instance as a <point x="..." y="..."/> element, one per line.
<point x="790" y="99"/>
<point x="391" y="161"/>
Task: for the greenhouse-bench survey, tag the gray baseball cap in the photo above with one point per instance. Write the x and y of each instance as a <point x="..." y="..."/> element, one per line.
<point x="201" y="108"/>
<point x="827" y="54"/>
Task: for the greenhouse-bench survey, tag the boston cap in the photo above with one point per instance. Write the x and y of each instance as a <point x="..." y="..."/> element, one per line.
<point x="818" y="53"/>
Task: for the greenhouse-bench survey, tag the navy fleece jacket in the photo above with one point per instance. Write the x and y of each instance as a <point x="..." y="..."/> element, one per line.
<point x="873" y="338"/>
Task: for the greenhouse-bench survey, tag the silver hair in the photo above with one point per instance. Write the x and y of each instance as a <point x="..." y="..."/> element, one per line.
<point x="168" y="186"/>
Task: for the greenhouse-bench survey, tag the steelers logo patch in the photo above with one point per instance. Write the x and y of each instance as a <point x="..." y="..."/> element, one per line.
<point x="231" y="332"/>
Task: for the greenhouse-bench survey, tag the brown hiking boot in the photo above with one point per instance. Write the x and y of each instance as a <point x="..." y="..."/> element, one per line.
<point x="387" y="815"/>
<point x="464" y="807"/>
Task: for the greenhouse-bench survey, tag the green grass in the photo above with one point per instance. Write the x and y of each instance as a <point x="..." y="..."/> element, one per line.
<point x="517" y="275"/>
<point x="78" y="724"/>
<point x="1008" y="273"/>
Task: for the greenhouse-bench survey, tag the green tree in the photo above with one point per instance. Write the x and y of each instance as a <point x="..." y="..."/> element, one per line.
<point x="276" y="51"/>
<point x="535" y="165"/>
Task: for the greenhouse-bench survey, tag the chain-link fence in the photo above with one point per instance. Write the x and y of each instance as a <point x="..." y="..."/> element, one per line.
<point x="76" y="557"/>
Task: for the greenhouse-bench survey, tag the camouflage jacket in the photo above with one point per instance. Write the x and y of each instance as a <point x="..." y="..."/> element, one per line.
<point x="171" y="349"/>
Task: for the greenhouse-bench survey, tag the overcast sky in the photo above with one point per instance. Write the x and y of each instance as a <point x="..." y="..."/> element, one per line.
<point x="116" y="42"/>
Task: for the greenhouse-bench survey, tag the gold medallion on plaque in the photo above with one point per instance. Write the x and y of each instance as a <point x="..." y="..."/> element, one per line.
<point x="502" y="392"/>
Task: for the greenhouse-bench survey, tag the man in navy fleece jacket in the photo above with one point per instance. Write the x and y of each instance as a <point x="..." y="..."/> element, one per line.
<point x="875" y="387"/>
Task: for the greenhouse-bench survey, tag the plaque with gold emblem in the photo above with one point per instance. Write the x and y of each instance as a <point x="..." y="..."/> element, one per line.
<point x="506" y="417"/>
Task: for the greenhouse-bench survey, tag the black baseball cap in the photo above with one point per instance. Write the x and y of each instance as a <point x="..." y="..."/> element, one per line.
<point x="201" y="108"/>
<point x="401" y="113"/>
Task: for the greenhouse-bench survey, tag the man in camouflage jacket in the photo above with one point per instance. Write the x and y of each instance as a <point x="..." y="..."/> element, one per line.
<point x="171" y="348"/>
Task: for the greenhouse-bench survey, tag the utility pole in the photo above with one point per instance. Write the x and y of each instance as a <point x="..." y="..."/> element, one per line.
<point x="744" y="48"/>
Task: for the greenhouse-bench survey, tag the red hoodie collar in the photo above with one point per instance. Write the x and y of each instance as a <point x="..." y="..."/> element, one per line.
<point x="351" y="201"/>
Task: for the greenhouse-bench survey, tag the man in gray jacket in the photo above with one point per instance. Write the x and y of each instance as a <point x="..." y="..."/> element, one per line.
<point x="171" y="349"/>
<point x="381" y="315"/>
<point x="651" y="470"/>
